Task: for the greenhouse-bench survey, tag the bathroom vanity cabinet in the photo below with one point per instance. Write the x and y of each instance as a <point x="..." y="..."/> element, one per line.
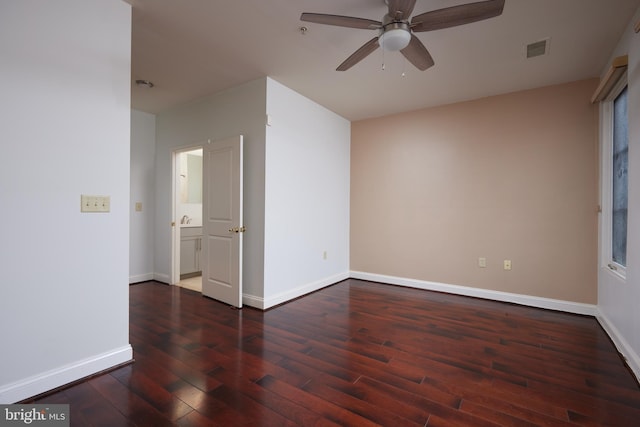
<point x="190" y="250"/>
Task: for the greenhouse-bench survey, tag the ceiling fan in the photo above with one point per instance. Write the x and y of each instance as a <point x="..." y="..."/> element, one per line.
<point x="395" y="32"/>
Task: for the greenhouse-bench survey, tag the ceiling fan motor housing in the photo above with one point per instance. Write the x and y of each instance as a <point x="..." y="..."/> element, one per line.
<point x="394" y="35"/>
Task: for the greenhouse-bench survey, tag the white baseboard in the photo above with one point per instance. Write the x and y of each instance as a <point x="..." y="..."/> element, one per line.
<point x="253" y="301"/>
<point x="630" y="356"/>
<point x="532" y="301"/>
<point x="265" y="303"/>
<point x="140" y="278"/>
<point x="63" y="375"/>
<point x="164" y="278"/>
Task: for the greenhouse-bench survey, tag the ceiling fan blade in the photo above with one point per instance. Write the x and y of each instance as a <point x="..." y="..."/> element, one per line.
<point x="341" y="21"/>
<point x="401" y="9"/>
<point x="457" y="15"/>
<point x="359" y="54"/>
<point x="417" y="54"/>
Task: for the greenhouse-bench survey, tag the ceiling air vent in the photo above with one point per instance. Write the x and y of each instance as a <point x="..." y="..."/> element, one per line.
<point x="538" y="48"/>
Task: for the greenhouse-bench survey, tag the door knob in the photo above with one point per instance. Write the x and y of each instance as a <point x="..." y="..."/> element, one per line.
<point x="234" y="230"/>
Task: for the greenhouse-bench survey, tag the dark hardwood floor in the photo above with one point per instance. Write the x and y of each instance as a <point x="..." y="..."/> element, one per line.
<point x="358" y="354"/>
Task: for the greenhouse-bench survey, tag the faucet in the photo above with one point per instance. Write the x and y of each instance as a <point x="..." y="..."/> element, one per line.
<point x="185" y="219"/>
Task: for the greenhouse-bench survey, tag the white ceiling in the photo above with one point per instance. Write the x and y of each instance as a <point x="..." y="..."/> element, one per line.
<point x="192" y="48"/>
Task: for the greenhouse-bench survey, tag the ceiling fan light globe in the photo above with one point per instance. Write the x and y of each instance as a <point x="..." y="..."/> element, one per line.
<point x="394" y="39"/>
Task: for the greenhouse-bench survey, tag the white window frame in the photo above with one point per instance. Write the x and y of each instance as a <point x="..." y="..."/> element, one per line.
<point x="606" y="183"/>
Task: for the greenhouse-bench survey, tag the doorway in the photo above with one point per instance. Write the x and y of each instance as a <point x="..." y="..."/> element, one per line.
<point x="213" y="229"/>
<point x="187" y="218"/>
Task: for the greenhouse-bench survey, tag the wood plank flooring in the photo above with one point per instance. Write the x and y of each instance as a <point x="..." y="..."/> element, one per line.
<point x="357" y="354"/>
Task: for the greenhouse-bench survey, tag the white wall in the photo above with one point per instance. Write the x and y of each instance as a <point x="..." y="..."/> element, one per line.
<point x="65" y="108"/>
<point x="240" y="110"/>
<point x="141" y="238"/>
<point x="618" y="301"/>
<point x="306" y="196"/>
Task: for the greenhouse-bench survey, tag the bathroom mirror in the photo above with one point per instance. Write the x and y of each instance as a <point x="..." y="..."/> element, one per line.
<point x="191" y="176"/>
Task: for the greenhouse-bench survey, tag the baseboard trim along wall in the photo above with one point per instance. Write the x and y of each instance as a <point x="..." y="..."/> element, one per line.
<point x="164" y="278"/>
<point x="531" y="301"/>
<point x="58" y="377"/>
<point x="271" y="301"/>
<point x="253" y="301"/>
<point x="624" y="348"/>
<point x="141" y="278"/>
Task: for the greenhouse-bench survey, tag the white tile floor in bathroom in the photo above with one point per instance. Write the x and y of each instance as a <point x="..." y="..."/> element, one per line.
<point x="193" y="283"/>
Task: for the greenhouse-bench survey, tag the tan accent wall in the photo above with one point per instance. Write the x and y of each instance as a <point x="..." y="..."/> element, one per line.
<point x="507" y="177"/>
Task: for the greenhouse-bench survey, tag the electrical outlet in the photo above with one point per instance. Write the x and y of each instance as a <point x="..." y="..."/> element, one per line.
<point x="507" y="264"/>
<point x="482" y="262"/>
<point x="138" y="206"/>
<point x="324" y="255"/>
<point x="95" y="203"/>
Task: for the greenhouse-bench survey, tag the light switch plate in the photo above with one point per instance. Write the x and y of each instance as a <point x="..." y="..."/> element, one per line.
<point x="89" y="203"/>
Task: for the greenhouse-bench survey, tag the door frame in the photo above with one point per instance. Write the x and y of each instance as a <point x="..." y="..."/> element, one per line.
<point x="174" y="276"/>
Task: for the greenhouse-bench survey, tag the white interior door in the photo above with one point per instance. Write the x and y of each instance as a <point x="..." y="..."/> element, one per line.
<point x="222" y="226"/>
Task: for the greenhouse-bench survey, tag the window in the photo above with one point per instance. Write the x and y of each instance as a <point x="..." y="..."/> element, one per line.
<point x="619" y="179"/>
<point x="615" y="160"/>
<point x="614" y="156"/>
